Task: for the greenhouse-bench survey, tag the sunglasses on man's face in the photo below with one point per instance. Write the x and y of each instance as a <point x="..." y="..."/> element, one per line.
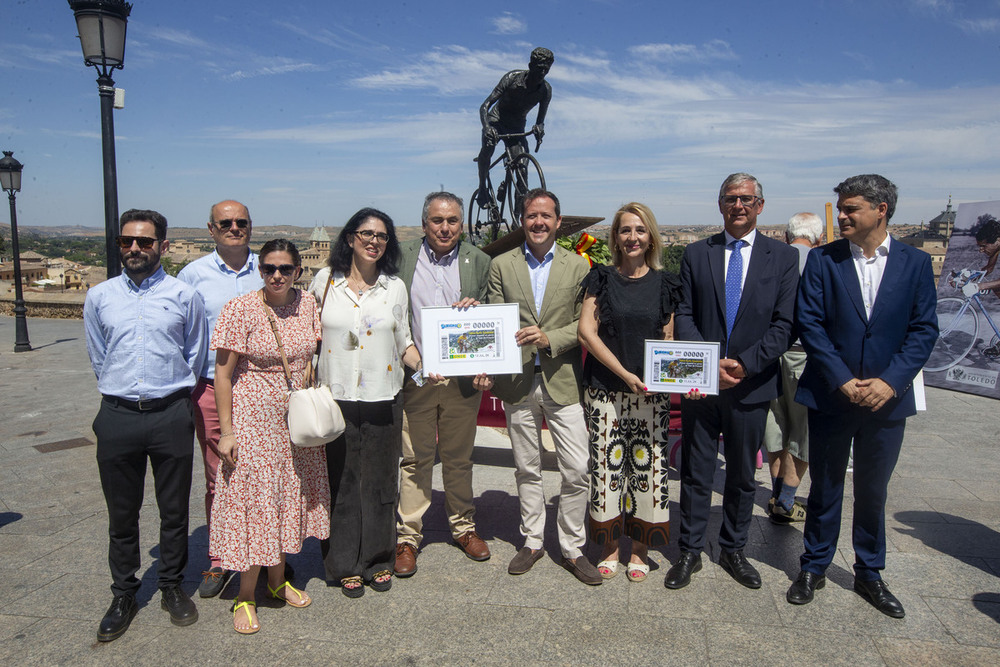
<point x="144" y="242"/>
<point x="284" y="269"/>
<point x="241" y="223"/>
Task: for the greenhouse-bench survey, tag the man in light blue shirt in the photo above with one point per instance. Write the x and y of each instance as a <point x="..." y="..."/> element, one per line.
<point x="231" y="270"/>
<point x="147" y="339"/>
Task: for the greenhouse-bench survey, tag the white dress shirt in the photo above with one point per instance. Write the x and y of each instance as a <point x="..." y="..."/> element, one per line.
<point x="870" y="270"/>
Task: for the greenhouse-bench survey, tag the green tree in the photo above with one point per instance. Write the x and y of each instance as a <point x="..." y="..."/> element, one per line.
<point x="672" y="258"/>
<point x="3" y="246"/>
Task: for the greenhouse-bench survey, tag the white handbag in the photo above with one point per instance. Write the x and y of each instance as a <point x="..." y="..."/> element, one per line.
<point x="314" y="418"/>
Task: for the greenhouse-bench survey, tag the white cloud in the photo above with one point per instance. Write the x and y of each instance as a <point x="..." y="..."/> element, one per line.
<point x="508" y="24"/>
<point x="713" y="50"/>
<point x="271" y="70"/>
<point x="978" y="26"/>
<point x="448" y="70"/>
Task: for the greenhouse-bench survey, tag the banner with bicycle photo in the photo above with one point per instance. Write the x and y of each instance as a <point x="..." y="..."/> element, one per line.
<point x="966" y="356"/>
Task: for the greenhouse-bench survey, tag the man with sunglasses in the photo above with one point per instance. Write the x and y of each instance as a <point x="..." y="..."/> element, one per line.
<point x="230" y="271"/>
<point x="739" y="291"/>
<point x="147" y="338"/>
<point x="440" y="419"/>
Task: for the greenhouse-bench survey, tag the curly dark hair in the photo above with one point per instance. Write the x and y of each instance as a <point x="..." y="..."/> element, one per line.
<point x="341" y="254"/>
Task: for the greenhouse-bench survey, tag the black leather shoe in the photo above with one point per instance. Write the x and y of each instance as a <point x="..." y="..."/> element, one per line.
<point x="179" y="604"/>
<point x="802" y="589"/>
<point x="213" y="580"/>
<point x="119" y="616"/>
<point x="877" y="593"/>
<point x="739" y="568"/>
<point x="679" y="575"/>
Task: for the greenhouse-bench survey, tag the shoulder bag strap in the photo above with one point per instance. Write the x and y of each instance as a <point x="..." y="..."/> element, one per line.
<point x="277" y="337"/>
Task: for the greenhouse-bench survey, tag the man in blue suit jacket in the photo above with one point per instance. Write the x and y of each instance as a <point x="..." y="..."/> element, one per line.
<point x="739" y="291"/>
<point x="866" y="313"/>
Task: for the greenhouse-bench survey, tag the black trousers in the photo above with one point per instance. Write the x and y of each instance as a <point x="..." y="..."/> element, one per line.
<point x="742" y="430"/>
<point x="125" y="438"/>
<point x="363" y="465"/>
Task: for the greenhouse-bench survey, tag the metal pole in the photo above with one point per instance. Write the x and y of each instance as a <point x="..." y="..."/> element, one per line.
<point x="21" y="343"/>
<point x="106" y="87"/>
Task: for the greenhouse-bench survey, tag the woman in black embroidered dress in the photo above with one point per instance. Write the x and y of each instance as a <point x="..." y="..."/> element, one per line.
<point x="624" y="305"/>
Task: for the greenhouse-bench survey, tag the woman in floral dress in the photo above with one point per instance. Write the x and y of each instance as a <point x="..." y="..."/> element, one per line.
<point x="625" y="304"/>
<point x="270" y="494"/>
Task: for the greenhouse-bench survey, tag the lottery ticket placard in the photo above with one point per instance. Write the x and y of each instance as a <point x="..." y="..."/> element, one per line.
<point x="677" y="367"/>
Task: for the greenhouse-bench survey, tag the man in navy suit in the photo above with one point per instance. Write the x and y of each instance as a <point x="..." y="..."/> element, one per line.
<point x="739" y="290"/>
<point x="866" y="313"/>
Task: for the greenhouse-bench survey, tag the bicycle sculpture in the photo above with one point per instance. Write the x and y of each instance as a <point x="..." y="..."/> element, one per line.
<point x="959" y="323"/>
<point x="504" y="115"/>
<point x="501" y="212"/>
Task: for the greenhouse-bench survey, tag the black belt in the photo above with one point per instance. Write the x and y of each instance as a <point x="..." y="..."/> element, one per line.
<point x="149" y="404"/>
<point x="538" y="369"/>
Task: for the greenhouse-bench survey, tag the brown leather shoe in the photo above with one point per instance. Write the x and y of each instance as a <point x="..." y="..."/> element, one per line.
<point x="473" y="546"/>
<point x="406" y="560"/>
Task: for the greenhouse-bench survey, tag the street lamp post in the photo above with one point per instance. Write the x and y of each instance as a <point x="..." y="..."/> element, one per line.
<point x="10" y="180"/>
<point x="102" y="24"/>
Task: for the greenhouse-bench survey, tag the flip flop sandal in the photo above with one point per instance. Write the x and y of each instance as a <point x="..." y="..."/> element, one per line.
<point x="637" y="572"/>
<point x="381" y="586"/>
<point x="352" y="587"/>
<point x="304" y="600"/>
<point x="608" y="568"/>
<point x="245" y="606"/>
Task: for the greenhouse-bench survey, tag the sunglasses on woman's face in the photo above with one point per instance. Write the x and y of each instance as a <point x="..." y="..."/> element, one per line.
<point x="284" y="269"/>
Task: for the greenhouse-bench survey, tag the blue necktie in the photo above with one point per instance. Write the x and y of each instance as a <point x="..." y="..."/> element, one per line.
<point x="734" y="287"/>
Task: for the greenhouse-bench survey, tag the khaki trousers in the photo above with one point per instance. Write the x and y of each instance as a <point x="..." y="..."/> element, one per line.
<point x="437" y="419"/>
<point x="569" y="434"/>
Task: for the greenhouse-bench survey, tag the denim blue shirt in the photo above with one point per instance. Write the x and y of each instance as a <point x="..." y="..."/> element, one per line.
<point x="145" y="341"/>
<point x="218" y="284"/>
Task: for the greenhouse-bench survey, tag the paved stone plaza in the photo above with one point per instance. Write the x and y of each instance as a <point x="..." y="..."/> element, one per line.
<point x="944" y="564"/>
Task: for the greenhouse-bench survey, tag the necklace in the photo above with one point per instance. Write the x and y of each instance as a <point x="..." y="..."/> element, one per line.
<point x="361" y="284"/>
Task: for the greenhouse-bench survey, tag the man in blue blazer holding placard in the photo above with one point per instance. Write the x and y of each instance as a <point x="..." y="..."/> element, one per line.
<point x="866" y="314"/>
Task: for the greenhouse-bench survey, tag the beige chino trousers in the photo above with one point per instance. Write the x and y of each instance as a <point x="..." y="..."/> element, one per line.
<point x="437" y="419"/>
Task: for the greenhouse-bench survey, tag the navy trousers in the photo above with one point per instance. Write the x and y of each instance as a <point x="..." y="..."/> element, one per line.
<point x="876" y="449"/>
<point x="742" y="429"/>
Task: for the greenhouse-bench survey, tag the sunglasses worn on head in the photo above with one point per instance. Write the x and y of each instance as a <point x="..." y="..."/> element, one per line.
<point x="145" y="242"/>
<point x="285" y="269"/>
<point x="242" y="223"/>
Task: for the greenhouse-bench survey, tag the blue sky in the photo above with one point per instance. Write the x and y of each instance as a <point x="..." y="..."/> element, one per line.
<point x="307" y="111"/>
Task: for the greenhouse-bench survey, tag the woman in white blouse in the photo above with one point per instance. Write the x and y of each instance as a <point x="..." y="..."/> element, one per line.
<point x="366" y="342"/>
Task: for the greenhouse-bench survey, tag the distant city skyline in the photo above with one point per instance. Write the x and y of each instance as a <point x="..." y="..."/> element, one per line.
<point x="310" y="111"/>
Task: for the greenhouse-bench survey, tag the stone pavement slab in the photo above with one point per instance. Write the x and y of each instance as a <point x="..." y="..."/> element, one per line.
<point x="943" y="532"/>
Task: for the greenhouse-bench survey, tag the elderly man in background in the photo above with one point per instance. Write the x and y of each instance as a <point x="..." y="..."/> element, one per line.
<point x="787" y="431"/>
<point x="440" y="270"/>
<point x="229" y="271"/>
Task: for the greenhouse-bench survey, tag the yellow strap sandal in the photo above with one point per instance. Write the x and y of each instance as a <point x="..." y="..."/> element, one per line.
<point x="304" y="600"/>
<point x="245" y="606"/>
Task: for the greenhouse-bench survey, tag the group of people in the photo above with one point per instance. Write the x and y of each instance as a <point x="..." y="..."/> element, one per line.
<point x="216" y="350"/>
